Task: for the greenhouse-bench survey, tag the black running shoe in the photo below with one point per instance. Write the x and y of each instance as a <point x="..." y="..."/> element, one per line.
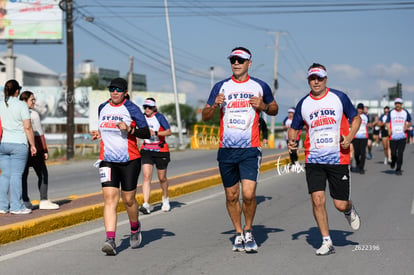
<point x="109" y="247"/>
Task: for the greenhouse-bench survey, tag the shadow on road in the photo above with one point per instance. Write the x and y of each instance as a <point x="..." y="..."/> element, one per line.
<point x="314" y="238"/>
<point x="147" y="237"/>
<point x="260" y="233"/>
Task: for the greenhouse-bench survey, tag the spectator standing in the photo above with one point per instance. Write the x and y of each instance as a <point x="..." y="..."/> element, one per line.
<point x="17" y="134"/>
<point x="38" y="161"/>
<point x="155" y="151"/>
<point x="240" y="99"/>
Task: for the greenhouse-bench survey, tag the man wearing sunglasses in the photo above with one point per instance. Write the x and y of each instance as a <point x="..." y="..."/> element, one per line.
<point x="240" y="99"/>
<point x="326" y="112"/>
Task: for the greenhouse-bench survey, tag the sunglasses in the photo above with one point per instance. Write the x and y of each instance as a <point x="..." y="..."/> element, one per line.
<point x="147" y="107"/>
<point x="238" y="59"/>
<point x="314" y="77"/>
<point x="113" y="89"/>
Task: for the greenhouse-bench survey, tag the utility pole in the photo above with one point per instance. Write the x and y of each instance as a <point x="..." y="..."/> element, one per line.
<point x="67" y="6"/>
<point x="211" y="77"/>
<point x="274" y="88"/>
<point x="10" y="61"/>
<point x="177" y="105"/>
<point x="131" y="71"/>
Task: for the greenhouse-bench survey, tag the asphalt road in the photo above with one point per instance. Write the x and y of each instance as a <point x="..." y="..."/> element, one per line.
<point x="196" y="236"/>
<point x="80" y="177"/>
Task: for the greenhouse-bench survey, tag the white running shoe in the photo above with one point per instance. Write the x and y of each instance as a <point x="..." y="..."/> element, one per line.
<point x="353" y="219"/>
<point x="166" y="204"/>
<point x="238" y="242"/>
<point x="386" y="161"/>
<point x="21" y="212"/>
<point x="250" y="244"/>
<point x="326" y="249"/>
<point x="48" y="205"/>
<point x="145" y="208"/>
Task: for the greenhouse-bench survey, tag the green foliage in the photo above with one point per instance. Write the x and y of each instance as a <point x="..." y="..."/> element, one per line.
<point x="91" y="81"/>
<point x="188" y="114"/>
<point x="215" y="121"/>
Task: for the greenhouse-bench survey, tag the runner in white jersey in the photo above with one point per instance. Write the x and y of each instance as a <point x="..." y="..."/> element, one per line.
<point x="240" y="99"/>
<point x="360" y="141"/>
<point x="398" y="121"/>
<point x="325" y="112"/>
<point x="384" y="135"/>
<point x="155" y="151"/>
<point x="286" y="125"/>
<point x="120" y="123"/>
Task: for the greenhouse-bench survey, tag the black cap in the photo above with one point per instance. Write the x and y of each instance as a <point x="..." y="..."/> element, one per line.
<point x="119" y="83"/>
<point x="360" y="106"/>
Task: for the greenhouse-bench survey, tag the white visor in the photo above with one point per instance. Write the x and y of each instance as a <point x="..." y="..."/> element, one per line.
<point x="240" y="53"/>
<point x="318" y="71"/>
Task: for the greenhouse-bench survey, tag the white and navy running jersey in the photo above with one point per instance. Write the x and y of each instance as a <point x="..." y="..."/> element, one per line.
<point x="326" y="119"/>
<point x="398" y="121"/>
<point x="117" y="145"/>
<point x="287" y="122"/>
<point x="239" y="123"/>
<point x="157" y="122"/>
<point x="362" y="132"/>
<point x="383" y="118"/>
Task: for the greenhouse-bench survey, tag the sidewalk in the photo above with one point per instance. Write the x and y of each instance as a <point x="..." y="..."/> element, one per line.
<point x="75" y="210"/>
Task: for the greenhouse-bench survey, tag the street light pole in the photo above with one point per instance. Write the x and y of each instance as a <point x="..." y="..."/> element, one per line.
<point x="275" y="86"/>
<point x="177" y="105"/>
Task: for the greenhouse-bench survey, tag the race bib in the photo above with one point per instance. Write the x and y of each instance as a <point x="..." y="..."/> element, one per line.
<point x="326" y="139"/>
<point x="398" y="129"/>
<point x="238" y="121"/>
<point x="105" y="174"/>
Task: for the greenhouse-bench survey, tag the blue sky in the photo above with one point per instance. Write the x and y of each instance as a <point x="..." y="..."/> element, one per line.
<point x="365" y="52"/>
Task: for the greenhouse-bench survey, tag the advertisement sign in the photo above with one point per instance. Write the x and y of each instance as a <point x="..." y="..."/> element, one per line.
<point x="30" y="19"/>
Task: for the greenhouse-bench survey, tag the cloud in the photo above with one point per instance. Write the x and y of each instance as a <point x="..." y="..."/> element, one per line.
<point x="395" y="70"/>
<point x="187" y="87"/>
<point x="345" y="71"/>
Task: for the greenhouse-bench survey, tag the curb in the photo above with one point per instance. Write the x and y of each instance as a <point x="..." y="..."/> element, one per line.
<point x="56" y="221"/>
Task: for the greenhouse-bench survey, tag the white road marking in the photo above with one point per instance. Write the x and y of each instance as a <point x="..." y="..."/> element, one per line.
<point x="412" y="207"/>
<point x="90" y="232"/>
<point x="100" y="229"/>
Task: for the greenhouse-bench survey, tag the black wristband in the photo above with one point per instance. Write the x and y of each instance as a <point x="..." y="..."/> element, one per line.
<point x="267" y="108"/>
<point x="130" y="130"/>
<point x="156" y="133"/>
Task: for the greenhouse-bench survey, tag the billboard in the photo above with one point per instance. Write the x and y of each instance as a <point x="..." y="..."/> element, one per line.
<point x="30" y="19"/>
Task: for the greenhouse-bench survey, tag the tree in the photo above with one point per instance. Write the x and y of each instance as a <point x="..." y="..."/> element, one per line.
<point x="91" y="81"/>
<point x="188" y="114"/>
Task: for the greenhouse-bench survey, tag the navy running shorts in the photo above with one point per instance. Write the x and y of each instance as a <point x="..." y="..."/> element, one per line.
<point x="236" y="164"/>
<point x="120" y="174"/>
<point x="336" y="175"/>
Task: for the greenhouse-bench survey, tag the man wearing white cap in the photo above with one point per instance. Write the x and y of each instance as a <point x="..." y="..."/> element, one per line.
<point x="326" y="112"/>
<point x="398" y="121"/>
<point x="240" y="99"/>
